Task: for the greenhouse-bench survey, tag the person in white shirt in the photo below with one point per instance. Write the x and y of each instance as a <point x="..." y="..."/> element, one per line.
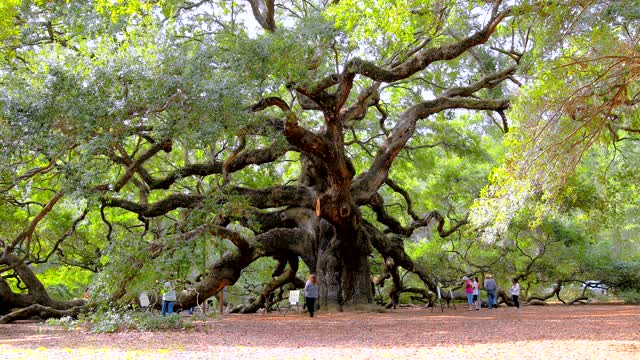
<point x="515" y="292"/>
<point x="168" y="298"/>
<point x="476" y="293"/>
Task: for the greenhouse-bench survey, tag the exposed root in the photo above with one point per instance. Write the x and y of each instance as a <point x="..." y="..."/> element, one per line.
<point x="37" y="310"/>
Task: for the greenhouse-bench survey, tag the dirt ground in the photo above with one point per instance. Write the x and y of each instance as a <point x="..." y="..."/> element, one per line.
<point x="559" y="332"/>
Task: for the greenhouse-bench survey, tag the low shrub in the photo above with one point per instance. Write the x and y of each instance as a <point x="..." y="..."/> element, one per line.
<point x="630" y="296"/>
<point x="150" y="322"/>
<point x="67" y="322"/>
<point x="113" y="321"/>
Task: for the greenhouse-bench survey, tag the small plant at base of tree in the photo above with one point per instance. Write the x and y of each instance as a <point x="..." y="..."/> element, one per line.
<point x="66" y="321"/>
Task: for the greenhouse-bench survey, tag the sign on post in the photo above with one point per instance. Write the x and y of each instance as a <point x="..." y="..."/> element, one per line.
<point x="294" y="297"/>
<point x="144" y="300"/>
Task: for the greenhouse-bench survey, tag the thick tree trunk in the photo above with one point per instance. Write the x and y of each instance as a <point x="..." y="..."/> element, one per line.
<point x="343" y="246"/>
<point x="343" y="269"/>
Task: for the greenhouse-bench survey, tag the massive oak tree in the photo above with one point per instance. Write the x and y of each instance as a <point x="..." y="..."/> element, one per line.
<point x="272" y="127"/>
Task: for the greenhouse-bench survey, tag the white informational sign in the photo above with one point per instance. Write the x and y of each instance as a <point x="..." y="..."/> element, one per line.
<point x="439" y="296"/>
<point x="144" y="300"/>
<point x="294" y="297"/>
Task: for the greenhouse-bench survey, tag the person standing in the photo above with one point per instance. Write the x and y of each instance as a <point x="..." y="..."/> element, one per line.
<point x="311" y="294"/>
<point x="476" y="293"/>
<point x="168" y="299"/>
<point x="468" y="289"/>
<point x="515" y="293"/>
<point x="490" y="286"/>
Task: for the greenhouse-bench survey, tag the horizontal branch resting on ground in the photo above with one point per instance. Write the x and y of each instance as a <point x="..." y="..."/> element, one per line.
<point x="40" y="311"/>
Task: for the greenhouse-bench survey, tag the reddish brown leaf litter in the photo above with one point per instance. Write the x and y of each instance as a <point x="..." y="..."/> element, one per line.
<point x="558" y="332"/>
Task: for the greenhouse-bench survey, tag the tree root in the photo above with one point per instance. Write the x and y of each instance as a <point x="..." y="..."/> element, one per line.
<point x="578" y="300"/>
<point x="542" y="300"/>
<point x="283" y="278"/>
<point x="43" y="312"/>
<point x="536" y="302"/>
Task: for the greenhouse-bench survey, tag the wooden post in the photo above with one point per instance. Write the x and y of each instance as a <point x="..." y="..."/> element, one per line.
<point x="451" y="297"/>
<point x="222" y="302"/>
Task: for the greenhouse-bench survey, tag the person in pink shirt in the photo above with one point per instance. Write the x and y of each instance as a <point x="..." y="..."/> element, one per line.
<point x="468" y="289"/>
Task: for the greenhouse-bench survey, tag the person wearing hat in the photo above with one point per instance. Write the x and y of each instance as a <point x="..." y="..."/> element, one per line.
<point x="491" y="287"/>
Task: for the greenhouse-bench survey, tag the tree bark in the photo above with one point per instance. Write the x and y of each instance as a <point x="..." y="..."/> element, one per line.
<point x="343" y="268"/>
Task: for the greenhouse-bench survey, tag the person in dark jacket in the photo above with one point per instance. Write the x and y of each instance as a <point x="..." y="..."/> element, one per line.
<point x="311" y="294"/>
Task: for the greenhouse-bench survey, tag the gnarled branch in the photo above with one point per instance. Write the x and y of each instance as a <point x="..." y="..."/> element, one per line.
<point x="368" y="182"/>
<point x="426" y="56"/>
